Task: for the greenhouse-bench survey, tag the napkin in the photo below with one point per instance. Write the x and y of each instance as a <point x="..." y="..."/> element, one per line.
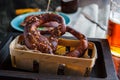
<point x="83" y="25"/>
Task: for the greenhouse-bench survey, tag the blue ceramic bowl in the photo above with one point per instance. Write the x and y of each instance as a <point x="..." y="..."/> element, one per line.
<point x="15" y="23"/>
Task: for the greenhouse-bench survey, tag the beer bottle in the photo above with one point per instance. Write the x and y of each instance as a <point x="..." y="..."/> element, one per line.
<point x="69" y="6"/>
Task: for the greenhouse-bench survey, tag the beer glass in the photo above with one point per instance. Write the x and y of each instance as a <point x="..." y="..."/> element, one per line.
<point x="114" y="27"/>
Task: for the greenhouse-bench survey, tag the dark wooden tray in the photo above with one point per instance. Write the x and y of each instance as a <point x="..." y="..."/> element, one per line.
<point x="103" y="69"/>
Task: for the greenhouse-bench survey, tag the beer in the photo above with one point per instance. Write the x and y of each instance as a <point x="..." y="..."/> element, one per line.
<point x="114" y="34"/>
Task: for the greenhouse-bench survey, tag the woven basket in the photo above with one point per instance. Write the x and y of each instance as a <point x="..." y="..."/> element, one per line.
<point x="53" y="64"/>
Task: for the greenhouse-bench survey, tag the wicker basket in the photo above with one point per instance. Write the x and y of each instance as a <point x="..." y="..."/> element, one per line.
<point x="54" y="64"/>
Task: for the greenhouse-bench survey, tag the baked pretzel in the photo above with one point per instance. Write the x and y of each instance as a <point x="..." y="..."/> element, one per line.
<point x="33" y="37"/>
<point x="82" y="46"/>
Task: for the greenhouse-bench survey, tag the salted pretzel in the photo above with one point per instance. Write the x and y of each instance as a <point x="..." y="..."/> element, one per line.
<point x="33" y="37"/>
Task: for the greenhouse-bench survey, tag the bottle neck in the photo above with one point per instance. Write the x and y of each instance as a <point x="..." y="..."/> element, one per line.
<point x="67" y="0"/>
<point x="69" y="6"/>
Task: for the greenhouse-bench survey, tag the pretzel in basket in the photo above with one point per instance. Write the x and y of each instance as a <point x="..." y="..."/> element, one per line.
<point x="82" y="46"/>
<point x="34" y="38"/>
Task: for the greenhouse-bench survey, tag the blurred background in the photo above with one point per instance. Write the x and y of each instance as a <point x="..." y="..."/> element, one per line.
<point x="8" y="7"/>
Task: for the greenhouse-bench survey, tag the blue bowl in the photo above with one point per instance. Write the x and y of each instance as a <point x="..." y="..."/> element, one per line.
<point x="15" y="23"/>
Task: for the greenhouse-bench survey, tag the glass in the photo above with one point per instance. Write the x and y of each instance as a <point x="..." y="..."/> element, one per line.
<point x="114" y="28"/>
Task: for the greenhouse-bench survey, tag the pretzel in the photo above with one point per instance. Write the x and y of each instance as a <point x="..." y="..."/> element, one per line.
<point x="82" y="46"/>
<point x="33" y="37"/>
